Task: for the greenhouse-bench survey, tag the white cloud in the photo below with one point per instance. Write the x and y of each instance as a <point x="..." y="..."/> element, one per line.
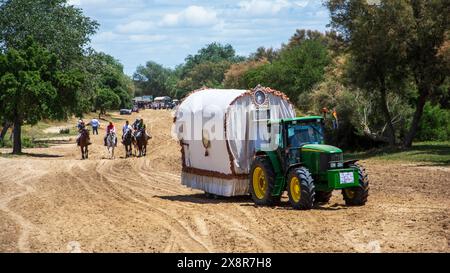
<point x="104" y="37"/>
<point x="147" y="38"/>
<point x="86" y="2"/>
<point x="263" y="7"/>
<point x="302" y="3"/>
<point x="138" y="26"/>
<point x="74" y="2"/>
<point x="192" y="16"/>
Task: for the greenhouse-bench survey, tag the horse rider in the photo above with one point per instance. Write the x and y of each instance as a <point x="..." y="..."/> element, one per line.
<point x="135" y="124"/>
<point x="110" y="129"/>
<point x="81" y="126"/>
<point x="141" y="128"/>
<point x="125" y="129"/>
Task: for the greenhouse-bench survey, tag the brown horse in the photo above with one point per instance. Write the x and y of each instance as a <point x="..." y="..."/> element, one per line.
<point x="140" y="142"/>
<point x="84" y="142"/>
<point x="127" y="142"/>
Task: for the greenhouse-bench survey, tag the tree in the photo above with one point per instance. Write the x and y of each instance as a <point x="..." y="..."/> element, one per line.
<point x="296" y="71"/>
<point x="33" y="87"/>
<point x="59" y="27"/>
<point x="106" y="99"/>
<point x="395" y="45"/>
<point x="210" y="74"/>
<point x="234" y="77"/>
<point x="214" y="52"/>
<point x="153" y="79"/>
<point x="206" y="68"/>
<point x="262" y="53"/>
<point x="428" y="54"/>
<point x="103" y="71"/>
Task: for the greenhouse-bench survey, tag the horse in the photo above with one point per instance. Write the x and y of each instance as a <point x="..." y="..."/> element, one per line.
<point x="84" y="143"/>
<point x="140" y="142"/>
<point x="127" y="142"/>
<point x="111" y="143"/>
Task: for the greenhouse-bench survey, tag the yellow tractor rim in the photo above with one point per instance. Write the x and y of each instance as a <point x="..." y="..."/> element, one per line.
<point x="350" y="193"/>
<point x="259" y="182"/>
<point x="296" y="192"/>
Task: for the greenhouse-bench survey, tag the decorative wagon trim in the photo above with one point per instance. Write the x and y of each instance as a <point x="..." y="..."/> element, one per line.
<point x="214" y="174"/>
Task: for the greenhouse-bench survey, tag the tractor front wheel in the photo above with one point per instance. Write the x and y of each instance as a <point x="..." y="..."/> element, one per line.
<point x="357" y="196"/>
<point x="262" y="181"/>
<point x="301" y="189"/>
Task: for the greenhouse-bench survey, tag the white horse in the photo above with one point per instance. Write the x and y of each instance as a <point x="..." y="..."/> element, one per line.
<point x="111" y="144"/>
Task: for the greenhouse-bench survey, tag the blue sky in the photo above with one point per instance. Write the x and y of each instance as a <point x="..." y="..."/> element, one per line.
<point x="136" y="31"/>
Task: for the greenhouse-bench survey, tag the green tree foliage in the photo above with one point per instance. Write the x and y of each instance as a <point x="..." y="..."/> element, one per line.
<point x="435" y="124"/>
<point x="59" y="27"/>
<point x="102" y="71"/>
<point x="33" y="87"/>
<point x="267" y="54"/>
<point x="297" y="69"/>
<point x="208" y="73"/>
<point x="154" y="79"/>
<point x="214" y="52"/>
<point x="394" y="47"/>
<point x="106" y="99"/>
<point x="206" y="68"/>
<point x="234" y="77"/>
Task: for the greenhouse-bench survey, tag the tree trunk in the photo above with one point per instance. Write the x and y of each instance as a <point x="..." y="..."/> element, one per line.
<point x="17" y="145"/>
<point x="5" y="128"/>
<point x="407" y="143"/>
<point x="387" y="117"/>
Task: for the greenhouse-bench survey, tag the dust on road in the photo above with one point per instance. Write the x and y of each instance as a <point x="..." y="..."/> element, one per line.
<point x="51" y="201"/>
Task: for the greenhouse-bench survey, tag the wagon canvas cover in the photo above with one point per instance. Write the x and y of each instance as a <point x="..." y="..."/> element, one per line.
<point x="219" y="130"/>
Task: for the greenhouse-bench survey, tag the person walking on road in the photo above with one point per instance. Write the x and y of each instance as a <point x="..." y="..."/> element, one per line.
<point x="95" y="125"/>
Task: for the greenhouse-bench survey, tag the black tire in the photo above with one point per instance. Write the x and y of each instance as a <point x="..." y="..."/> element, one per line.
<point x="268" y="199"/>
<point x="323" y="196"/>
<point x="357" y="196"/>
<point x="307" y="189"/>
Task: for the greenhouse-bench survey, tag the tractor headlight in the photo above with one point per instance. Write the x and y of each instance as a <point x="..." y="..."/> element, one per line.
<point x="340" y="165"/>
<point x="333" y="165"/>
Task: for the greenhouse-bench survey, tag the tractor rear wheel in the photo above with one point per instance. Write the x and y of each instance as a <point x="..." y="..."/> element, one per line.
<point x="357" y="196"/>
<point x="323" y="196"/>
<point x="301" y="189"/>
<point x="262" y="182"/>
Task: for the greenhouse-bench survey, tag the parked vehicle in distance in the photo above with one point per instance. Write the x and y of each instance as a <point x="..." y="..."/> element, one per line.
<point x="126" y="111"/>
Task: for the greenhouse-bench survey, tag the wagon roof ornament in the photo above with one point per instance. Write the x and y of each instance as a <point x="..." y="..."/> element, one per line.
<point x="260" y="97"/>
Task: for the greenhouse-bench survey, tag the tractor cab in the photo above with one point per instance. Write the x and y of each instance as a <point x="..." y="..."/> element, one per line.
<point x="304" y="166"/>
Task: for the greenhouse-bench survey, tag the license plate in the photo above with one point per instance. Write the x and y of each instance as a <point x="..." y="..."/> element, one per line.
<point x="347" y="178"/>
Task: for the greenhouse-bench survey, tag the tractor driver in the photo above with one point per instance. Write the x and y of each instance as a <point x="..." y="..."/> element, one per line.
<point x="297" y="138"/>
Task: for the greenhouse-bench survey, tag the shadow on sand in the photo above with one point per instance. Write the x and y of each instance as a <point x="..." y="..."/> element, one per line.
<point x="33" y="155"/>
<point x="245" y="201"/>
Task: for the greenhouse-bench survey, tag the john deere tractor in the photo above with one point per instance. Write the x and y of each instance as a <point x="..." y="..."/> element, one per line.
<point x="301" y="164"/>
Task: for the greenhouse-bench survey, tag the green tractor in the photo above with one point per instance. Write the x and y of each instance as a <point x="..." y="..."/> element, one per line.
<point x="305" y="167"/>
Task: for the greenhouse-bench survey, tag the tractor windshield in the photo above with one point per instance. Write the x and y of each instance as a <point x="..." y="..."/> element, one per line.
<point x="305" y="133"/>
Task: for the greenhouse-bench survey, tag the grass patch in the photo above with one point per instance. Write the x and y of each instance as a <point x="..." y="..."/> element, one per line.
<point x="437" y="153"/>
<point x="26" y="143"/>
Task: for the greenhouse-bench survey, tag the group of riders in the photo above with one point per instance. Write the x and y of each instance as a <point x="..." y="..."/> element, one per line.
<point x="137" y="129"/>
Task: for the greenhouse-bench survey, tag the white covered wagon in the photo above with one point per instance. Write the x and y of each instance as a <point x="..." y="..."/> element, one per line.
<point x="219" y="131"/>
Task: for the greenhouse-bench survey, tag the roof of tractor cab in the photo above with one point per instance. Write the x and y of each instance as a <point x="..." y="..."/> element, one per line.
<point x="309" y="118"/>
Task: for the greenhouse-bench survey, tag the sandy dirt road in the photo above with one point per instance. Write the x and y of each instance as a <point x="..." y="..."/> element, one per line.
<point x="51" y="201"/>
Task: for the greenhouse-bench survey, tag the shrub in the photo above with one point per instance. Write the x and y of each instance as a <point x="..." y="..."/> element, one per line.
<point x="65" y="131"/>
<point x="435" y="124"/>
